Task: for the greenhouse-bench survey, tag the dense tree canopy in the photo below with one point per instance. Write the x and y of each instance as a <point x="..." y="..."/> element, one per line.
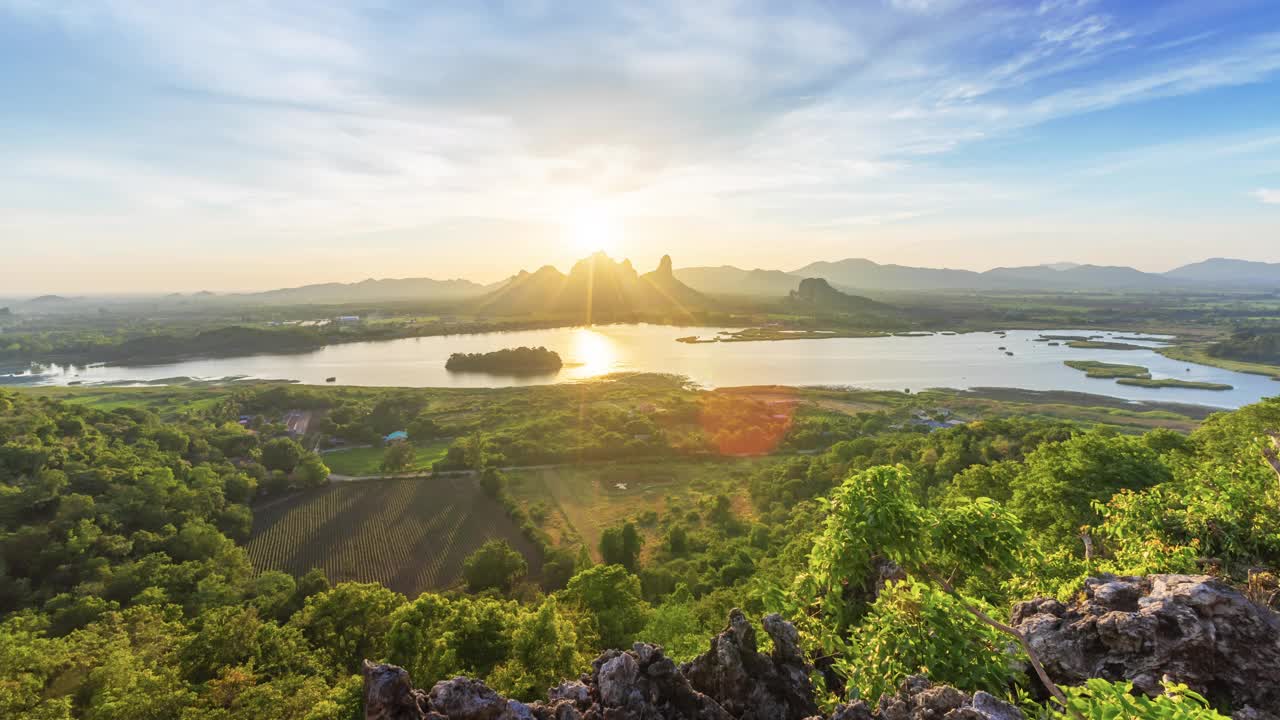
<point x="126" y="593"/>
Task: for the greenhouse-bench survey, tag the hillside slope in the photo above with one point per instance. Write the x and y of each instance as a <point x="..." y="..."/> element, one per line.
<point x="1228" y="272"/>
<point x="729" y="280"/>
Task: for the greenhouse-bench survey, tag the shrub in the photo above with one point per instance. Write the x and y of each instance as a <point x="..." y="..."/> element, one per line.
<point x="494" y="566"/>
<point x="914" y="628"/>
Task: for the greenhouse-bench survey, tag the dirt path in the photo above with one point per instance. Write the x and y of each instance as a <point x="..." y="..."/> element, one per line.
<point x="338" y="477"/>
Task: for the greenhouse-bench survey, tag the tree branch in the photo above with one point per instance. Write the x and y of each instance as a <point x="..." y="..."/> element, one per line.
<point x="1272" y="454"/>
<point x="1049" y="685"/>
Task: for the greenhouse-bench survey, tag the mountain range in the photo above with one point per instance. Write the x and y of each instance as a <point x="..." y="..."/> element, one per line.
<point x="598" y="287"/>
<point x="861" y="275"/>
<point x="729" y="280"/>
<point x="618" y="287"/>
<point x="388" y="290"/>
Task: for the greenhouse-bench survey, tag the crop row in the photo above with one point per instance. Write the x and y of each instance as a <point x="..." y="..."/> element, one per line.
<point x="410" y="535"/>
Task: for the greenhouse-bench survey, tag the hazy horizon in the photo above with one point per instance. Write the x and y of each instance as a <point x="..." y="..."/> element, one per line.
<point x="562" y="267"/>
<point x="248" y="147"/>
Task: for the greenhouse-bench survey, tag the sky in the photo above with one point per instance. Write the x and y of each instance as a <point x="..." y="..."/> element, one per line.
<point x="156" y="146"/>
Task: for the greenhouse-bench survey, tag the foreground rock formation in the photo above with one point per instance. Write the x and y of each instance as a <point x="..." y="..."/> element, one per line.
<point x="733" y="680"/>
<point x="1177" y="628"/>
<point x="1189" y="629"/>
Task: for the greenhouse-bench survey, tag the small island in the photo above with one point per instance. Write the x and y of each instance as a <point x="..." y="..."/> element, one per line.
<point x="508" y="361"/>
<point x="1174" y="383"/>
<point x="762" y="334"/>
<point x="1104" y="345"/>
<point x="1095" y="369"/>
<point x="1138" y="376"/>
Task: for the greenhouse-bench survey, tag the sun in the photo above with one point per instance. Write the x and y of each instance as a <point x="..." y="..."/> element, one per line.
<point x="594" y="351"/>
<point x="591" y="228"/>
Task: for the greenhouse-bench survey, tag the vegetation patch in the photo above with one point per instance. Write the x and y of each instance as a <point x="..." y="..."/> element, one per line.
<point x="1254" y="345"/>
<point x="408" y="535"/>
<point x="1173" y="383"/>
<point x="1104" y="345"/>
<point x="1198" y="353"/>
<point x="512" y="361"/>
<point x="771" y="333"/>
<point x="1095" y="369"/>
<point x="369" y="460"/>
<point x="575" y="505"/>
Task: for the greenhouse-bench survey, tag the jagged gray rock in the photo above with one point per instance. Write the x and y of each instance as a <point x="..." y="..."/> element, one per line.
<point x="463" y="697"/>
<point x="731" y="681"/>
<point x="1189" y="629"/>
<point x="389" y="694"/>
<point x="643" y="684"/>
<point x="919" y="699"/>
<point x="751" y="685"/>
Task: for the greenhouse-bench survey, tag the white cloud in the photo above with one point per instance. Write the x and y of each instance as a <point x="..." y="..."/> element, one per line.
<point x="1270" y="196"/>
<point x="278" y="121"/>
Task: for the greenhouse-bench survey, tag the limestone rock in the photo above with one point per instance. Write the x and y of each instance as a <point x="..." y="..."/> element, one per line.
<point x="389" y="694"/>
<point x="919" y="699"/>
<point x="1189" y="629"/>
<point x="751" y="685"/>
<point x="462" y="698"/>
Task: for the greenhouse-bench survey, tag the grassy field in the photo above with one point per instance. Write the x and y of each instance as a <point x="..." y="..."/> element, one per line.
<point x="368" y="461"/>
<point x="166" y="401"/>
<point x="1195" y="353"/>
<point x="1062" y="405"/>
<point x="410" y="535"/>
<point x="576" y="504"/>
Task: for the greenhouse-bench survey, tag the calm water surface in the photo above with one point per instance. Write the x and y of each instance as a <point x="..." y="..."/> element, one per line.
<point x="893" y="363"/>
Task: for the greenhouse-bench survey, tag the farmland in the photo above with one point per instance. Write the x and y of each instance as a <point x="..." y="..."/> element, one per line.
<point x="368" y="460"/>
<point x="578" y="503"/>
<point x="409" y="535"/>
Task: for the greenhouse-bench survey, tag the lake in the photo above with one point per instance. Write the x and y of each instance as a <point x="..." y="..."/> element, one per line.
<point x="891" y="363"/>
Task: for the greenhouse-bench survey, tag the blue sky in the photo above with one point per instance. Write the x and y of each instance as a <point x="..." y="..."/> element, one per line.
<point x="158" y="146"/>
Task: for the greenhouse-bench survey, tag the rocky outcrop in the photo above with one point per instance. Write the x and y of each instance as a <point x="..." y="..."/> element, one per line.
<point x="748" y="684"/>
<point x="731" y="681"/>
<point x="919" y="699"/>
<point x="816" y="294"/>
<point x="1189" y="629"/>
<point x="389" y="694"/>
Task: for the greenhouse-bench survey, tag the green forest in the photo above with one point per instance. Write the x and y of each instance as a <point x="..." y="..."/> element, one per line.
<point x="1260" y="345"/>
<point x="127" y="590"/>
<point x="508" y="360"/>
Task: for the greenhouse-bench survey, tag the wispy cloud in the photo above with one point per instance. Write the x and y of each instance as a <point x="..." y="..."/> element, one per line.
<point x="1270" y="196"/>
<point x="253" y="122"/>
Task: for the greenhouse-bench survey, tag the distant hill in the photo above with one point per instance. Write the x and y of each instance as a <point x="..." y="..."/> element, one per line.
<point x="1073" y="277"/>
<point x="1227" y="272"/>
<point x="406" y="289"/>
<point x="859" y="274"/>
<point x="815" y="295"/>
<point x="729" y="280"/>
<point x="595" y="287"/>
<point x="862" y="274"/>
